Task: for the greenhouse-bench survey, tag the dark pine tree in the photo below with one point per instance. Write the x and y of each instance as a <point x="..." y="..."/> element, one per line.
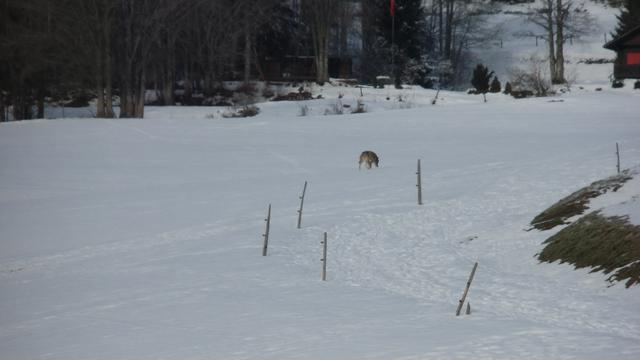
<point x="629" y="17"/>
<point x="480" y="80"/>
<point x="495" y="86"/>
<point x="508" y="88"/>
<point x="410" y="36"/>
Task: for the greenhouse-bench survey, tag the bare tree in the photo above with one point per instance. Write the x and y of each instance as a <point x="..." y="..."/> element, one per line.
<point x="319" y="15"/>
<point x="561" y="20"/>
<point x="456" y="26"/>
<point x="139" y="25"/>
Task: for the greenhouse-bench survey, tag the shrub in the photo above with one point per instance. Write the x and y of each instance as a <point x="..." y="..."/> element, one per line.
<point x="616" y="84"/>
<point x="244" y="111"/>
<point x="480" y="80"/>
<point x="268" y="93"/>
<point x="335" y="109"/>
<point x="532" y="79"/>
<point x="507" y="88"/>
<point x="359" y="108"/>
<point x="304" y="110"/>
<point x="636" y="85"/>
<point x="495" y="86"/>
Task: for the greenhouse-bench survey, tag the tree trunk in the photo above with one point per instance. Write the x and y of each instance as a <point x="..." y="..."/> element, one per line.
<point x="440" y="28"/>
<point x="100" y="105"/>
<point x="551" y="39"/>
<point x="448" y="36"/>
<point x="247" y="55"/>
<point x="319" y="15"/>
<point x="40" y="104"/>
<point x="140" y="97"/>
<point x="108" y="86"/>
<point x="3" y="117"/>
<point x="558" y="75"/>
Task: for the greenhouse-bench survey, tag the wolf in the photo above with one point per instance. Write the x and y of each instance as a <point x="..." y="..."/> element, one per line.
<point x="368" y="157"/>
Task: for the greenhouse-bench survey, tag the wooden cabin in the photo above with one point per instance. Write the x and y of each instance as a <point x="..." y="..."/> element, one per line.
<point x="627" y="47"/>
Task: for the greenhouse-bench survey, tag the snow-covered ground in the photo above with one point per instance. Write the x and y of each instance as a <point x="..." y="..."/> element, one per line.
<point x="141" y="238"/>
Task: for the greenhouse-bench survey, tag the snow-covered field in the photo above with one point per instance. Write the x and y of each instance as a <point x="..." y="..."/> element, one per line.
<point x="141" y="239"/>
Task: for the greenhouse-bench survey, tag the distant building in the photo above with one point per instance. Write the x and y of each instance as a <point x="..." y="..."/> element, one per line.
<point x="627" y="47"/>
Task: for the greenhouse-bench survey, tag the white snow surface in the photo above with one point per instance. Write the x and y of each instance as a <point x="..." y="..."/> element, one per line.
<point x="623" y="203"/>
<point x="141" y="238"/>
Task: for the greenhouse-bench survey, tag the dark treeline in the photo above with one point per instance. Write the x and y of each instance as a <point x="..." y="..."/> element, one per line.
<point x="55" y="50"/>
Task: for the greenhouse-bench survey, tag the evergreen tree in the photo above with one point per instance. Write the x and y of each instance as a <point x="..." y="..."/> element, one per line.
<point x="629" y="17"/>
<point x="480" y="80"/>
<point x="409" y="35"/>
<point x="508" y="88"/>
<point x="496" y="86"/>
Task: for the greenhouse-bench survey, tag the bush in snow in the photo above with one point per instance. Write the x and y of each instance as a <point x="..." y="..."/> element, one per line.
<point x="335" y="109"/>
<point x="636" y="85"/>
<point x="507" y="88"/>
<point x="304" y="110"/>
<point x="495" y="86"/>
<point x="616" y="84"/>
<point x="480" y="80"/>
<point x="359" y="108"/>
<point x="244" y="111"/>
<point x="534" y="78"/>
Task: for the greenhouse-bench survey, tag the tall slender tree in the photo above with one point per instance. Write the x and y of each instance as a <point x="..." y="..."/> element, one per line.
<point x="319" y="15"/>
<point x="561" y="20"/>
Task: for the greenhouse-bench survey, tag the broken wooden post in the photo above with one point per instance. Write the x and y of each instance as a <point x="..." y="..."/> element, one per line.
<point x="304" y="190"/>
<point x="419" y="185"/>
<point x="266" y="233"/>
<point x="466" y="290"/>
<point x="618" y="155"/>
<point x="324" y="258"/>
<point x="435" y="99"/>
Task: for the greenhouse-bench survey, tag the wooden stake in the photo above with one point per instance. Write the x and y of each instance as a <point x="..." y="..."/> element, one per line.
<point x="266" y="233"/>
<point x="618" y="155"/>
<point x="324" y="258"/>
<point x="466" y="290"/>
<point x="304" y="190"/>
<point x="468" y="312"/>
<point x="419" y="185"/>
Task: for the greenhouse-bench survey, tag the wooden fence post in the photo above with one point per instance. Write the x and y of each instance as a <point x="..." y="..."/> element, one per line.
<point x="419" y="185"/>
<point x="618" y="155"/>
<point x="324" y="258"/>
<point x="304" y="190"/>
<point x="266" y="233"/>
<point x="466" y="290"/>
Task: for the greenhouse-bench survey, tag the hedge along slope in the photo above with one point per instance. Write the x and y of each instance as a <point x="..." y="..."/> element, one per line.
<point x="609" y="244"/>
<point x="603" y="240"/>
<point x="577" y="203"/>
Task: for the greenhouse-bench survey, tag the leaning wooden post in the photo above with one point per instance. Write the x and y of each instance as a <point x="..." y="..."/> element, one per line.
<point x="618" y="155"/>
<point x="304" y="190"/>
<point x="266" y="232"/>
<point x="324" y="258"/>
<point x="419" y="185"/>
<point x="466" y="290"/>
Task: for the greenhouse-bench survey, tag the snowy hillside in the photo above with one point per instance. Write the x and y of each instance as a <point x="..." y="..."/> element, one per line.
<point x="141" y="239"/>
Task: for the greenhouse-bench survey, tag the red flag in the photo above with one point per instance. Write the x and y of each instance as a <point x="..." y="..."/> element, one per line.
<point x="392" y="8"/>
